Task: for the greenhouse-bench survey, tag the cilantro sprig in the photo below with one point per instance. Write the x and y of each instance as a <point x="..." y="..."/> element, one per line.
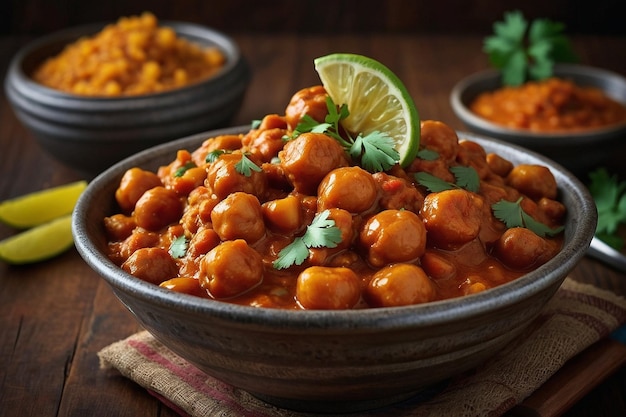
<point x="525" y="51"/>
<point x="512" y="214"/>
<point x="180" y="171"/>
<point x="245" y="166"/>
<point x="375" y="151"/>
<point x="322" y="232"/>
<point x="178" y="247"/>
<point x="466" y="178"/>
<point x="609" y="195"/>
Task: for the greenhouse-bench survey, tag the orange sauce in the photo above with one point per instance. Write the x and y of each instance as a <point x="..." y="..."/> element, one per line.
<point x="550" y="105"/>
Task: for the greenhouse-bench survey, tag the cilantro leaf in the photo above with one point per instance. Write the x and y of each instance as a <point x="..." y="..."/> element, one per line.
<point x="376" y="151"/>
<point x="180" y="171"/>
<point x="245" y="166"/>
<point x="293" y="254"/>
<point x="466" y="178"/>
<point x="522" y="51"/>
<point x="609" y="195"/>
<point x="428" y="155"/>
<point x="214" y="155"/>
<point x="178" y="247"/>
<point x="322" y="232"/>
<point x="512" y="215"/>
<point x="432" y="183"/>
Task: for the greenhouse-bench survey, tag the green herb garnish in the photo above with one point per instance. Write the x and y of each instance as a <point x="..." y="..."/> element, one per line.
<point x="245" y="166"/>
<point x="321" y="233"/>
<point x="180" y="171"/>
<point x="522" y="51"/>
<point x="512" y="215"/>
<point x="609" y="195"/>
<point x="376" y="151"/>
<point x="466" y="178"/>
<point x="178" y="247"/>
<point x="214" y="155"/>
<point x="428" y="155"/>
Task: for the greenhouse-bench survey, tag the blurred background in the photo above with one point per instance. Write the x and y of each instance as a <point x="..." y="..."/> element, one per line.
<point x="34" y="17"/>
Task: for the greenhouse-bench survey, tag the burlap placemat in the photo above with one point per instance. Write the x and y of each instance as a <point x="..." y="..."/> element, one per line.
<point x="578" y="316"/>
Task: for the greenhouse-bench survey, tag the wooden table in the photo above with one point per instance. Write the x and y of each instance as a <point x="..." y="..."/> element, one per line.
<point x="55" y="316"/>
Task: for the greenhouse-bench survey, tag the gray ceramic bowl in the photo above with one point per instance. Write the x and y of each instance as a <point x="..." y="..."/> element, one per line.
<point x="578" y="151"/>
<point x="90" y="134"/>
<point x="333" y="361"/>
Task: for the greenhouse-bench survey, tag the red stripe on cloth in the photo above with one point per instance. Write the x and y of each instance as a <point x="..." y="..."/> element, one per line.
<point x="195" y="378"/>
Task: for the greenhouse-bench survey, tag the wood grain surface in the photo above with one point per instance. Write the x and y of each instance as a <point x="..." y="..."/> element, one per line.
<point x="55" y="316"/>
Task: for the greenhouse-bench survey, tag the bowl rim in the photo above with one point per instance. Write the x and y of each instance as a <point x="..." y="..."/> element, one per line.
<point x="311" y="321"/>
<point x="576" y="138"/>
<point x="18" y="79"/>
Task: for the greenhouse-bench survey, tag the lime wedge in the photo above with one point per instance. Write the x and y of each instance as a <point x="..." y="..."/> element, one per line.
<point x="42" y="206"/>
<point x="376" y="98"/>
<point x="39" y="243"/>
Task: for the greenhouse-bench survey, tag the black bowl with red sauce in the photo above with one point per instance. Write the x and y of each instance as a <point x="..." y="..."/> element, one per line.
<point x="334" y="360"/>
<point x="578" y="150"/>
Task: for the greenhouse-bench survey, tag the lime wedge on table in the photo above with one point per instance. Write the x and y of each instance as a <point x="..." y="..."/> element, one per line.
<point x="41" y="206"/>
<point x="376" y="98"/>
<point x="39" y="243"/>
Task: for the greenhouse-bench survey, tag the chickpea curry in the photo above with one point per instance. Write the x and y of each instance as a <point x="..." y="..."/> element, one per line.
<point x="271" y="219"/>
<point x="551" y="105"/>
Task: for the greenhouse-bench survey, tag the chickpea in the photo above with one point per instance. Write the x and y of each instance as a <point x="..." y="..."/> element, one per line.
<point x="119" y="226"/>
<point x="310" y="101"/>
<point x="157" y="208"/>
<point x="398" y="193"/>
<point x="452" y="217"/>
<point x="231" y="269"/>
<point x="153" y="265"/>
<point x="239" y="216"/>
<point x="474" y="155"/>
<point x="439" y="137"/>
<point x="202" y="242"/>
<point x="350" y="188"/>
<point x="393" y="236"/>
<point x="552" y="209"/>
<point x="222" y="142"/>
<point x="536" y="181"/>
<point x="184" y="285"/>
<point x="499" y="165"/>
<point x="140" y="238"/>
<point x="325" y="288"/>
<point x="344" y="221"/>
<point x="266" y="141"/>
<point x="190" y="178"/>
<point x="399" y="285"/>
<point x="284" y="214"/>
<point x="223" y="178"/>
<point x="133" y="184"/>
<point x="308" y="158"/>
<point x="520" y="248"/>
<point x="437" y="267"/>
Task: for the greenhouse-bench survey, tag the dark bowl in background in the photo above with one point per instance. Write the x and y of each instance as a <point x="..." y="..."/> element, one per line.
<point x="90" y="134"/>
<point x="578" y="151"/>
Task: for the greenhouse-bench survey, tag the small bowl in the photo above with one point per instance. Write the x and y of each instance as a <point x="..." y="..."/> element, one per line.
<point x="333" y="361"/>
<point x="92" y="133"/>
<point x="578" y="151"/>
